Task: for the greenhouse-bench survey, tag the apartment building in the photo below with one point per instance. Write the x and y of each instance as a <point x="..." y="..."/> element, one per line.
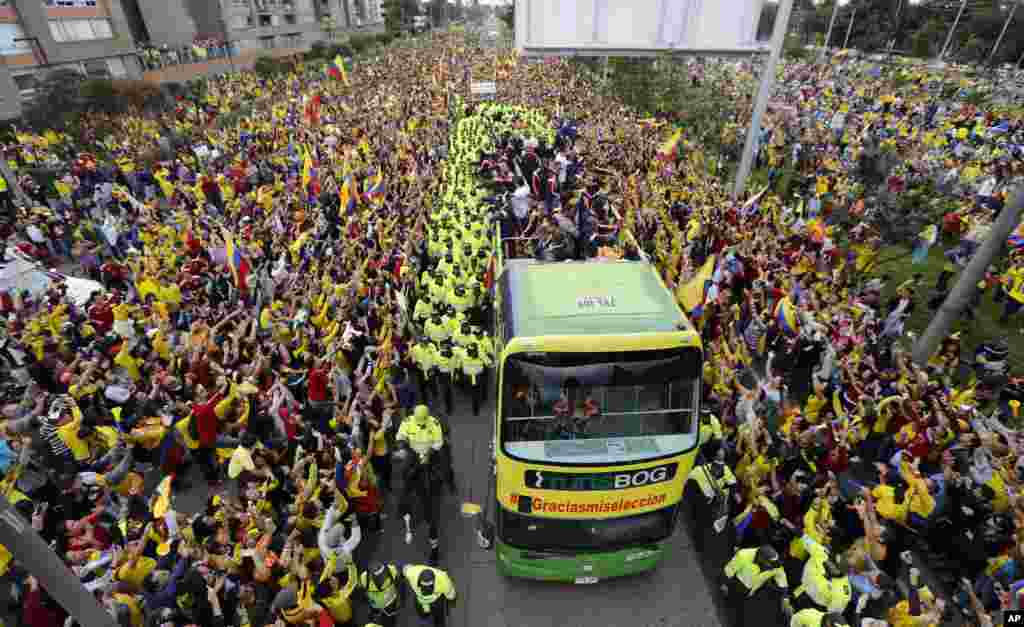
<point x="268" y="24"/>
<point x="37" y="36"/>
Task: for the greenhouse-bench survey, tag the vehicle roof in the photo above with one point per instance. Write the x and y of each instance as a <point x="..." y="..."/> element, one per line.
<point x="586" y="298"/>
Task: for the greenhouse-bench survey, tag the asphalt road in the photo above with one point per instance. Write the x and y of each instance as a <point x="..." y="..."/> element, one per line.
<point x="674" y="595"/>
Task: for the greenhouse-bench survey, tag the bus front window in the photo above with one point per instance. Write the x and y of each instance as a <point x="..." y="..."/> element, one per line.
<point x="594" y="407"/>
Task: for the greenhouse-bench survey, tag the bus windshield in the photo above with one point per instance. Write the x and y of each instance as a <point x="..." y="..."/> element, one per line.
<point x="590" y="408"/>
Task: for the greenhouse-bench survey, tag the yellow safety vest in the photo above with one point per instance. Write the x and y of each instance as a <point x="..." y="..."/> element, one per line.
<point x="383" y="597"/>
<point x="421" y="439"/>
<point x="743" y="568"/>
<point x="706" y="482"/>
<point x="443" y="585"/>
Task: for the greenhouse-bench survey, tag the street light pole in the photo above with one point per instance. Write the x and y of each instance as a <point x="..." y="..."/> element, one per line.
<point x="831" y="24"/>
<point x="35" y="555"/>
<point x="952" y="29"/>
<point x="1002" y="33"/>
<point x="763" y="93"/>
<point x="967" y="285"/>
<point x="849" y="29"/>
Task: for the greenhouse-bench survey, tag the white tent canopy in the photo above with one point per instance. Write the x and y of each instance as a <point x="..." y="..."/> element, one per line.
<point x="19" y="273"/>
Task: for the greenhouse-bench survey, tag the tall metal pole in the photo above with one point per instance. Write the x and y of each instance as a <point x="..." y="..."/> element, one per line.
<point x="831" y="24"/>
<point x="1002" y="33"/>
<point x="952" y="29"/>
<point x="35" y="555"/>
<point x="849" y="29"/>
<point x="764" y="92"/>
<point x="964" y="289"/>
<point x="896" y="32"/>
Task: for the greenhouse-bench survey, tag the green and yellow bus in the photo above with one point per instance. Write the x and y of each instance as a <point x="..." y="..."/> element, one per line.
<point x="599" y="380"/>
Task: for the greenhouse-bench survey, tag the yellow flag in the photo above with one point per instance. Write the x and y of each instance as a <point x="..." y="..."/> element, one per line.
<point x="691" y="294"/>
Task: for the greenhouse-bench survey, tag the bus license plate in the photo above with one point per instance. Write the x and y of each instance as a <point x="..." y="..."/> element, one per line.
<point x="586" y="580"/>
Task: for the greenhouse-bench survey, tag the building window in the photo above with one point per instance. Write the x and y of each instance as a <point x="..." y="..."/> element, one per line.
<point x="80" y="30"/>
<point x="264" y="20"/>
<point x="8" y="45"/>
<point x="117" y="68"/>
<point x="97" y="68"/>
<point x="289" y="18"/>
<point x="267" y="43"/>
<point x="70" y="3"/>
<point x="241" y="21"/>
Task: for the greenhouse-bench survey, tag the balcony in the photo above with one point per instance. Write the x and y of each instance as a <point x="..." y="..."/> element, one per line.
<point x="57" y="9"/>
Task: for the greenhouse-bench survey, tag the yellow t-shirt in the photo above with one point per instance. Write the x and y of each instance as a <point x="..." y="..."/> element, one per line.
<point x="135" y="573"/>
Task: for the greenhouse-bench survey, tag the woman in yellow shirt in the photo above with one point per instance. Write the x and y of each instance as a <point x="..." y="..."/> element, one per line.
<point x="333" y="594"/>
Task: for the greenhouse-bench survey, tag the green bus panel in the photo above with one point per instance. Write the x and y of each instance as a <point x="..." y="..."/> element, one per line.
<point x="578" y="568"/>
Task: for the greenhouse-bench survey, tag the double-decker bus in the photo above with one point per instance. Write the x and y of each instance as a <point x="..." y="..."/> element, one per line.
<point x="599" y="380"/>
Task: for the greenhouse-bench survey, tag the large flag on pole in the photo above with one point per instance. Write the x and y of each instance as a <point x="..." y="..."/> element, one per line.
<point x="307" y="169"/>
<point x="376" y="191"/>
<point x="340" y="64"/>
<point x="238" y="263"/>
<point x="692" y="294"/>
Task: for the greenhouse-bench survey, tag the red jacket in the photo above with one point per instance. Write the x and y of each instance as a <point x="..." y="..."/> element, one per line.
<point x="38" y="615"/>
<point x="205" y="416"/>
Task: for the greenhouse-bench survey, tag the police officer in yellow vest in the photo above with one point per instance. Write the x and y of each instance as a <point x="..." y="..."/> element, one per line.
<point x="463" y="336"/>
<point x="424" y="354"/>
<point x="421" y="441"/>
<point x="424" y="309"/>
<point x="714" y="478"/>
<point x="816" y="618"/>
<point x="380" y="584"/>
<point x="472" y="363"/>
<point x="822" y="584"/>
<point x="461" y="299"/>
<point x="434" y="590"/>
<point x="754" y="583"/>
<point x="437" y="328"/>
<point x="447" y="364"/>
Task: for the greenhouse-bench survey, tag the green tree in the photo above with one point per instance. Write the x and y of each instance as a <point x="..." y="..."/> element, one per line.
<point x="329" y="25"/>
<point x="393" y="17"/>
<point x="57" y="102"/>
<point x="508" y="16"/>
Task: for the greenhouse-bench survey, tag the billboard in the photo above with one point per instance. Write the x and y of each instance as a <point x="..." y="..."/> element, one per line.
<point x="623" y="27"/>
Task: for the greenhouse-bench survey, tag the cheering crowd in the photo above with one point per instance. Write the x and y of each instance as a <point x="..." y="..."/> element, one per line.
<point x="291" y="303"/>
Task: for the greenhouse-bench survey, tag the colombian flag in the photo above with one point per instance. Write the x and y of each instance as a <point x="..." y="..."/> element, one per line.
<point x="307" y="170"/>
<point x="236" y="261"/>
<point x="376" y="191"/>
<point x="785" y="315"/>
<point x="349" y="193"/>
<point x="1017" y="238"/>
<point x="339" y="63"/>
<point x="692" y="294"/>
<point x="667" y="151"/>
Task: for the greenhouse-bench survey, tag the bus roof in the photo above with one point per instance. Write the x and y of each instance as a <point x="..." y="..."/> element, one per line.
<point x="586" y="298"/>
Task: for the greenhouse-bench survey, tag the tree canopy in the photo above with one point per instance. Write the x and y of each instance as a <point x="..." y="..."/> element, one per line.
<point x="919" y="29"/>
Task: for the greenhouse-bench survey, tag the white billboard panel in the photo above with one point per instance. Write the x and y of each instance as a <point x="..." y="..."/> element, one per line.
<point x="603" y="26"/>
